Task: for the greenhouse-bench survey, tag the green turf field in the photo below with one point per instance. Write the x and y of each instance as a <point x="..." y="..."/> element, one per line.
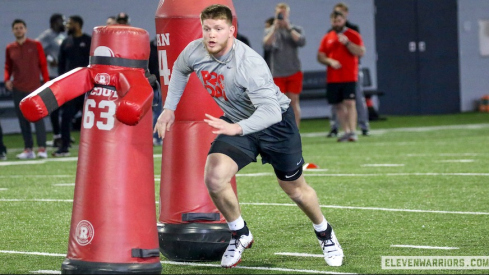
<point x="418" y="186"/>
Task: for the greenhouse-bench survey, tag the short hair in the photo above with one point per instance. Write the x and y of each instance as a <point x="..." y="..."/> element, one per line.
<point x="342" y="6"/>
<point x="77" y="19"/>
<point x="283" y="6"/>
<point x="55" y="17"/>
<point x="17" y="21"/>
<point x="217" y="11"/>
<point x="270" y="20"/>
<point x="335" y="14"/>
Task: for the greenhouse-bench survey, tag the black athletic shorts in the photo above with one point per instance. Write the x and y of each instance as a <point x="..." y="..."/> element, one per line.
<point x="280" y="145"/>
<point x="337" y="92"/>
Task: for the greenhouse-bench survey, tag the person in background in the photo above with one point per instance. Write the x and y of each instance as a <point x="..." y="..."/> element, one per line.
<point x="25" y="62"/>
<point x="51" y="40"/>
<point x="257" y="120"/>
<point x="283" y="40"/>
<point x="123" y="19"/>
<point x="340" y="50"/>
<point x="3" y="149"/>
<point x="242" y="38"/>
<point x="153" y="67"/>
<point x="110" y="21"/>
<point x="74" y="52"/>
<point x="361" y="106"/>
<point x="266" y="52"/>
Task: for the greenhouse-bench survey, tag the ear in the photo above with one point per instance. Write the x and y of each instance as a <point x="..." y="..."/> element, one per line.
<point x="232" y="29"/>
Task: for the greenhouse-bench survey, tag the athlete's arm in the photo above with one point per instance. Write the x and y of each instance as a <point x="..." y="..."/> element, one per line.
<point x="261" y="90"/>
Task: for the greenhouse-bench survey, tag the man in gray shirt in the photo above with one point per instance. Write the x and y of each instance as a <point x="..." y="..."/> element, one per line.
<point x="283" y="40"/>
<point x="257" y="121"/>
<point x="51" y="40"/>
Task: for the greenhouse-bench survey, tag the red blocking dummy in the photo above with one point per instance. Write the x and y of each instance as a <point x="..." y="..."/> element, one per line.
<point x="113" y="223"/>
<point x="190" y="227"/>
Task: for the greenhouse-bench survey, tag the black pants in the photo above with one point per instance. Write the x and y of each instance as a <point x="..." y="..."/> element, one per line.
<point x="2" y="146"/>
<point x="25" y="125"/>
<point x="69" y="110"/>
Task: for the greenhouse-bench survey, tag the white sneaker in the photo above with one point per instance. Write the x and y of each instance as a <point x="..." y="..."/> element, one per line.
<point x="333" y="254"/>
<point x="42" y="154"/>
<point x="232" y="256"/>
<point x="27" y="155"/>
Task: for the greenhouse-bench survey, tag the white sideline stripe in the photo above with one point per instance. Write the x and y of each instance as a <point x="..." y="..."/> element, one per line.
<point x="425" y="247"/>
<point x="294" y="205"/>
<point x="256" y="268"/>
<point x="32" y="253"/>
<point x="37" y="176"/>
<point x="372" y="175"/>
<point x="46" y="272"/>
<point x="179" y="263"/>
<point x="3" y="189"/>
<point x="370" y="208"/>
<point x="444" y="155"/>
<point x="40" y="161"/>
<point x="255" y="175"/>
<point x="411" y="129"/>
<point x="382" y="165"/>
<point x="64" y="184"/>
<point x="299" y="254"/>
<point x="457" y="160"/>
<point x="35" y="200"/>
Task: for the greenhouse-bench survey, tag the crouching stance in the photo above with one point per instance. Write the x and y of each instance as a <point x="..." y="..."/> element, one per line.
<point x="257" y="121"/>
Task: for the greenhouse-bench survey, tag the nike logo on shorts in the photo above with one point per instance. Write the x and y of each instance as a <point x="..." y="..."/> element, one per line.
<point x="299" y="162"/>
<point x="288" y="177"/>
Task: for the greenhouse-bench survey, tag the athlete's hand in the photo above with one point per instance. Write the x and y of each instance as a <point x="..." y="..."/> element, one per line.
<point x="165" y="121"/>
<point x="223" y="127"/>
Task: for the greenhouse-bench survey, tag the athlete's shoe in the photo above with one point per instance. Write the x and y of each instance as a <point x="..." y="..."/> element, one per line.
<point x="333" y="254"/>
<point x="42" y="153"/>
<point x="237" y="245"/>
<point x="3" y="155"/>
<point x="27" y="154"/>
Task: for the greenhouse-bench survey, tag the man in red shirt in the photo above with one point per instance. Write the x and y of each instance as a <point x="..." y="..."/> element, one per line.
<point x="339" y="51"/>
<point x="25" y="62"/>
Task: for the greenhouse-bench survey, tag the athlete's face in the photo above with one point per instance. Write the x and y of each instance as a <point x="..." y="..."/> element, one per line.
<point x="218" y="36"/>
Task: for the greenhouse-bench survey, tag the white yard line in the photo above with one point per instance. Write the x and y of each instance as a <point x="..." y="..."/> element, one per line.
<point x="299" y="254"/>
<point x="3" y="189"/>
<point x="413" y="129"/>
<point x="64" y="184"/>
<point x="424" y="247"/>
<point x="457" y="160"/>
<point x="294" y="205"/>
<point x="257" y="268"/>
<point x="32" y="253"/>
<point x="372" y="175"/>
<point x="180" y="263"/>
<point x="370" y="208"/>
<point x="382" y="165"/>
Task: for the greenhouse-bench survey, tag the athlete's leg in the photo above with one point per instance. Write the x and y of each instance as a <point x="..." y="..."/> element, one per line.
<point x="304" y="196"/>
<point x="219" y="170"/>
